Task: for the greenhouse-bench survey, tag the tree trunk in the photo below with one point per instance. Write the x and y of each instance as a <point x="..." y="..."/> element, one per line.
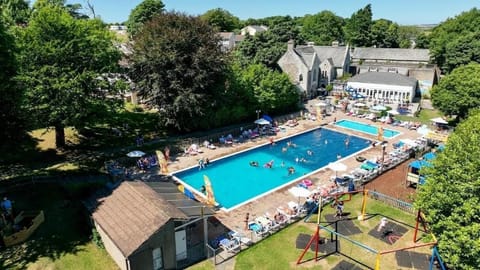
<point x="59" y="136"/>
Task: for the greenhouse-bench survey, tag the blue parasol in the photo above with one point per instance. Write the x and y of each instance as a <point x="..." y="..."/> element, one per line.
<point x="268" y="118"/>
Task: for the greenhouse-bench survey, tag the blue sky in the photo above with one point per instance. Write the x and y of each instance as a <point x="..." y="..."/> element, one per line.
<point x="400" y="11"/>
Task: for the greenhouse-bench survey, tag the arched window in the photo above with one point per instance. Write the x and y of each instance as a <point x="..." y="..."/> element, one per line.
<point x="300" y="77"/>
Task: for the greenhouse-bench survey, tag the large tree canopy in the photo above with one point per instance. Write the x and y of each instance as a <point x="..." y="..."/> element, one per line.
<point x="14" y="11"/>
<point x="267" y="47"/>
<point x="451" y="196"/>
<point x="384" y="34"/>
<point x="10" y="117"/>
<point x="143" y="13"/>
<point x="459" y="91"/>
<point x="177" y="63"/>
<point x="447" y="41"/>
<point x="358" y="26"/>
<point x="221" y="19"/>
<point x="323" y="28"/>
<point x="62" y="62"/>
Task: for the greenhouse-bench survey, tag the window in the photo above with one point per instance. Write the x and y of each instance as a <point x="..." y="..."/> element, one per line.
<point x="157" y="259"/>
<point x="300" y="77"/>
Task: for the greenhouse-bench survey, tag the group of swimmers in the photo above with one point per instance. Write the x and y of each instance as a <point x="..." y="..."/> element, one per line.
<point x="269" y="165"/>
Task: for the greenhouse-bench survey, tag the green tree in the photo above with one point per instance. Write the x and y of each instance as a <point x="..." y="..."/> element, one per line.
<point x="323" y="28"/>
<point x="176" y="65"/>
<point x="273" y="92"/>
<point x="462" y="51"/>
<point x="384" y="34"/>
<point x="63" y="61"/>
<point x="14" y="12"/>
<point x="448" y="35"/>
<point x="221" y="19"/>
<point x="450" y="198"/>
<point x="12" y="124"/>
<point x="407" y="34"/>
<point x="143" y="13"/>
<point x="267" y="47"/>
<point x="358" y="26"/>
<point x="459" y="91"/>
<point x="422" y="41"/>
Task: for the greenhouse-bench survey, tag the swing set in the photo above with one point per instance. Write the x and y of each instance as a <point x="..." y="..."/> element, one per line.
<point x="334" y="235"/>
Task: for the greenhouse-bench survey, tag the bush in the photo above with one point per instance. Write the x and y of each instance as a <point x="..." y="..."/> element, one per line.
<point x="97" y="239"/>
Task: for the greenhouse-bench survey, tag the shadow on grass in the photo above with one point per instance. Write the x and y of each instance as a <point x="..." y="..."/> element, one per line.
<point x="64" y="231"/>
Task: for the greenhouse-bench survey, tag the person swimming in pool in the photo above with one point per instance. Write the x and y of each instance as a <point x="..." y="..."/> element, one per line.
<point x="253" y="163"/>
<point x="291" y="170"/>
<point x="269" y="164"/>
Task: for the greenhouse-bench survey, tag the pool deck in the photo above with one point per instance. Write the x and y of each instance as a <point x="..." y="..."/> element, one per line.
<point x="235" y="219"/>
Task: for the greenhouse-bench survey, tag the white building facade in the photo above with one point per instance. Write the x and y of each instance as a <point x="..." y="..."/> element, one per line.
<point x="384" y="87"/>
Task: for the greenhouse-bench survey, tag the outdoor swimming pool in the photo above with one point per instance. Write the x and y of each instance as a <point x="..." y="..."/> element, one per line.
<point x="366" y="128"/>
<point x="235" y="182"/>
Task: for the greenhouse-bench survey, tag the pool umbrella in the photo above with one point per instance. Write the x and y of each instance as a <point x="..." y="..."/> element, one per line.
<point x="379" y="108"/>
<point x="136" y="153"/>
<point x="300" y="192"/>
<point x="268" y="118"/>
<point x="262" y="122"/>
<point x="337" y="167"/>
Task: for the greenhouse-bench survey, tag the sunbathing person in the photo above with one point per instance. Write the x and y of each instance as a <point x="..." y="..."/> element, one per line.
<point x="253" y="163"/>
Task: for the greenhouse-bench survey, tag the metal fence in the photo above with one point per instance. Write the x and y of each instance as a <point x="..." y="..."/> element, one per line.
<point x="407" y="207"/>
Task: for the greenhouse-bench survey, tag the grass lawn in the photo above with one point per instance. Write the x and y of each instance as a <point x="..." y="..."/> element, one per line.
<point x="62" y="241"/>
<point x="424" y="116"/>
<point x="279" y="252"/>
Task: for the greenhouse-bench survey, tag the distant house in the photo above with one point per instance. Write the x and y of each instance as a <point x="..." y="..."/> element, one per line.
<point x="312" y="67"/>
<point x="252" y="30"/>
<point x="384" y="86"/>
<point x="145" y="225"/>
<point x="227" y="40"/>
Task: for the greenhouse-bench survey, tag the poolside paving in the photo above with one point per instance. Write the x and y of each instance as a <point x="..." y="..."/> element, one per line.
<point x="235" y="219"/>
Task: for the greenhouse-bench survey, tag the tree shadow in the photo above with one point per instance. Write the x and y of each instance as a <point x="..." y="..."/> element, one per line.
<point x="64" y="231"/>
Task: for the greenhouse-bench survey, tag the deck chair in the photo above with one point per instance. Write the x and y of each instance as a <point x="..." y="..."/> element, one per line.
<point x="257" y="228"/>
<point x="240" y="237"/>
<point x="230" y="245"/>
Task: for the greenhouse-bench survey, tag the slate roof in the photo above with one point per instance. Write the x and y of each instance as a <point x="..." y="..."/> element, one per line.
<point x="337" y="54"/>
<point x="393" y="54"/>
<point x="384" y="78"/>
<point x="225" y="35"/>
<point x="132" y="213"/>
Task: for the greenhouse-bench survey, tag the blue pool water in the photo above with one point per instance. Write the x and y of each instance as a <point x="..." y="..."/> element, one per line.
<point x="235" y="182"/>
<point x="366" y="128"/>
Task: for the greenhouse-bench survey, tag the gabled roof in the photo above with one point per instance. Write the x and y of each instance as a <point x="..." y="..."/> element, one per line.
<point x="393" y="54"/>
<point x="132" y="213"/>
<point x="225" y="35"/>
<point x="337" y="54"/>
<point x="384" y="78"/>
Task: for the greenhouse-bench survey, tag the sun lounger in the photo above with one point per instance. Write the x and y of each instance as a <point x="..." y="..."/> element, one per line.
<point x="230" y="245"/>
<point x="257" y="228"/>
<point x="240" y="238"/>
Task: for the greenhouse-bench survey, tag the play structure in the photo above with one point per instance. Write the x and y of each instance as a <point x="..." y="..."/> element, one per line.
<point x="414" y="168"/>
<point x="388" y="231"/>
<point x="24" y="225"/>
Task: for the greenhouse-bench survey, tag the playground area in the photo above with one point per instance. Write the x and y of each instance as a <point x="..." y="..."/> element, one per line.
<point x="372" y="231"/>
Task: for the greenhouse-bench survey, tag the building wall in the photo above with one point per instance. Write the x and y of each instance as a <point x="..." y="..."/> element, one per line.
<point x="293" y="67"/>
<point x="368" y="89"/>
<point x="165" y="239"/>
<point x="112" y="249"/>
